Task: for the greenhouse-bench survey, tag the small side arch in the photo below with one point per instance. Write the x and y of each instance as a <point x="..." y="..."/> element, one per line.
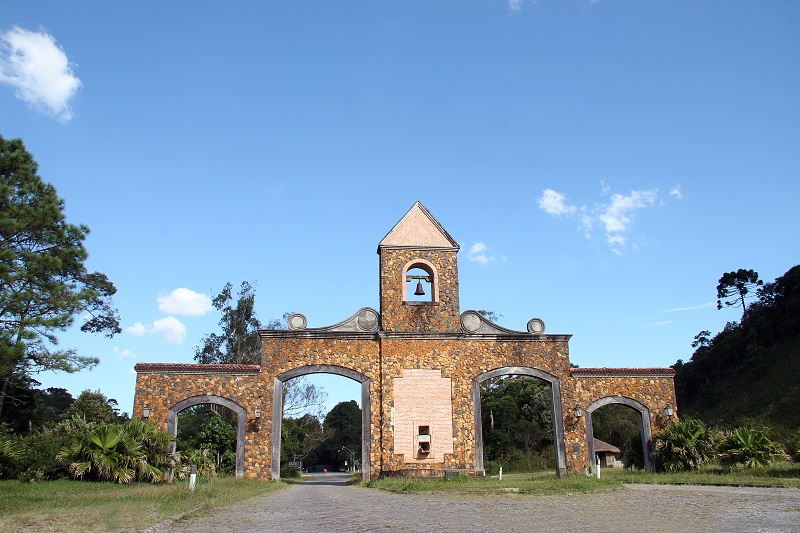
<point x="645" y="429"/>
<point x="555" y="401"/>
<point x="277" y="412"/>
<point x="241" y="421"/>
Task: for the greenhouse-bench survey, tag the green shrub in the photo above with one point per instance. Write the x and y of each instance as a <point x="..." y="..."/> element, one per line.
<point x="747" y="448"/>
<point x="684" y="445"/>
<point x="288" y="472"/>
<point x="199" y="458"/>
<point x="34" y="456"/>
<point x="632" y="453"/>
<point x="791" y="444"/>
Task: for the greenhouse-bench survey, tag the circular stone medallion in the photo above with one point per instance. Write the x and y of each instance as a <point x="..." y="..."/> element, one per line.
<point x="297" y="321"/>
<point x="368" y="320"/>
<point x="471" y="322"/>
<point x="535" y="326"/>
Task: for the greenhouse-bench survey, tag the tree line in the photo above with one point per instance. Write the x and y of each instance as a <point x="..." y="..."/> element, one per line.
<point x="748" y="374"/>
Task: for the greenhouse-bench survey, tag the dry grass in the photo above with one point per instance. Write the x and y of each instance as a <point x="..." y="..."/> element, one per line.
<point x="87" y="506"/>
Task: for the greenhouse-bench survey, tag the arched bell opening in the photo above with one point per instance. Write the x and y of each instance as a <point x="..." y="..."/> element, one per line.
<point x="420" y="282"/>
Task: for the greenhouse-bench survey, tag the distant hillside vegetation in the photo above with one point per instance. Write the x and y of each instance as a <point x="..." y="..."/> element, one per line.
<point x="749" y="373"/>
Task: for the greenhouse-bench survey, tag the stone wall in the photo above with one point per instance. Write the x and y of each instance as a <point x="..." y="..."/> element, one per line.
<point x="160" y="386"/>
<point x="399" y="315"/>
<point x="285" y="351"/>
<point x="383" y="359"/>
<point x="654" y="388"/>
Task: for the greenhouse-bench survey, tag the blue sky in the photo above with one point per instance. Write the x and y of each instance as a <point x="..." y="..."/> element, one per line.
<point x="601" y="163"/>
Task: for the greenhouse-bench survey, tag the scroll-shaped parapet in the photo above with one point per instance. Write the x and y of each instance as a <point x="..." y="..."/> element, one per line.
<point x="472" y="322"/>
<point x="366" y="320"/>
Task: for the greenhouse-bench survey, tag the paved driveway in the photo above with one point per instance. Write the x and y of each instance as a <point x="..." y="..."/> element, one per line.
<point x="325" y="503"/>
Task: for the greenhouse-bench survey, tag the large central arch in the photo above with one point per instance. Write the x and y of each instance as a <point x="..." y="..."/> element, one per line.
<point x="277" y="412"/>
<point x="645" y="429"/>
<point x="241" y="421"/>
<point x="555" y="397"/>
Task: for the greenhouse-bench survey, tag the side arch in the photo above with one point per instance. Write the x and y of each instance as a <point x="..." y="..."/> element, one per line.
<point x="241" y="421"/>
<point x="644" y="429"/>
<point x="277" y="412"/>
<point x="555" y="400"/>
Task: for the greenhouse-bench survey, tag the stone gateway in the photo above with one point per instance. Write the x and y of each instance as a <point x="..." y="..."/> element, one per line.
<point x="421" y="363"/>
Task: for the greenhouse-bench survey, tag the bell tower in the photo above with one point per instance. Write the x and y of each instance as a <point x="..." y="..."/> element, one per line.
<point x="419" y="276"/>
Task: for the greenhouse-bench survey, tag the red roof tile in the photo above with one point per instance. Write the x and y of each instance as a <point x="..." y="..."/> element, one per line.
<point x="611" y="372"/>
<point x="181" y="368"/>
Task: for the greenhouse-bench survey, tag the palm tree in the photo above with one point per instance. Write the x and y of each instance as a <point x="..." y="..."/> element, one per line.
<point x="135" y="451"/>
<point x="684" y="445"/>
<point x="746" y="448"/>
<point x="105" y="453"/>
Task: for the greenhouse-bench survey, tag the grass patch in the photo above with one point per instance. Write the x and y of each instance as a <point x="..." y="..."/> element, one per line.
<point x="782" y="474"/>
<point x="536" y="483"/>
<point x="777" y="475"/>
<point x="67" y="505"/>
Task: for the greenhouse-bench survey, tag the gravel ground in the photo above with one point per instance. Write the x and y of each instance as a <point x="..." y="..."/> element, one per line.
<point x="327" y="504"/>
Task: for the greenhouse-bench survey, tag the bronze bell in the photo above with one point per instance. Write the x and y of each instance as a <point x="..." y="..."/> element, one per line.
<point x="420" y="291"/>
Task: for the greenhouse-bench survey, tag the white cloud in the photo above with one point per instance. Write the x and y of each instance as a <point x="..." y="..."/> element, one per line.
<point x="170" y="329"/>
<point x="555" y="203"/>
<point x="514" y="5"/>
<point x="618" y="215"/>
<point x="662" y="323"/>
<point x="678" y="309"/>
<point x="477" y="253"/>
<point x="39" y="70"/>
<point x="183" y="301"/>
<point x="124" y="353"/>
<point x="615" y="216"/>
<point x="137" y="329"/>
<point x="676" y="192"/>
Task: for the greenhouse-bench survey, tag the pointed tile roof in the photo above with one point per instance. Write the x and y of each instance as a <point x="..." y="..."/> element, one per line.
<point x="604" y="447"/>
<point x="418" y="229"/>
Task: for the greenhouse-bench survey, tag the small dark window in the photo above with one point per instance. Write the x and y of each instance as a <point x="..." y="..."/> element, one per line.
<point x="423" y="440"/>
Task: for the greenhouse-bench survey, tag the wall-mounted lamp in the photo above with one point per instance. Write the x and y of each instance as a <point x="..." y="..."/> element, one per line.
<point x="670" y="411"/>
<point x="146" y="413"/>
<point x="257" y="413"/>
<point x="578" y="412"/>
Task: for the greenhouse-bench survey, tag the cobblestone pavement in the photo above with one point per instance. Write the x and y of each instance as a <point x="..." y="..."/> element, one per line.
<point x="326" y="504"/>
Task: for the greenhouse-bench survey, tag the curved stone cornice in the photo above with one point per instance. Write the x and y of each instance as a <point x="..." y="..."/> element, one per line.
<point x="365" y="320"/>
